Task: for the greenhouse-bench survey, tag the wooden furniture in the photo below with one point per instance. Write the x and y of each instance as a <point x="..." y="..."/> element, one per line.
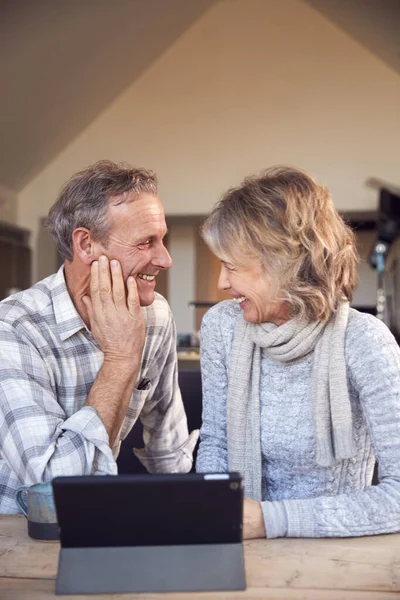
<point x="292" y="569"/>
<point x="15" y="259"/>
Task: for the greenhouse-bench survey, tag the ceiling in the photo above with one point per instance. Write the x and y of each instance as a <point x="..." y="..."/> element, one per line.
<point x="373" y="23"/>
<point x="63" y="61"/>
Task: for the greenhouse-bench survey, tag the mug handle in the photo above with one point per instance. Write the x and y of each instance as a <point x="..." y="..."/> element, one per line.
<point x="20" y="501"/>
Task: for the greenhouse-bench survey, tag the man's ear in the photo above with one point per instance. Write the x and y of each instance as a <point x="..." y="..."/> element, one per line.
<point x="85" y="248"/>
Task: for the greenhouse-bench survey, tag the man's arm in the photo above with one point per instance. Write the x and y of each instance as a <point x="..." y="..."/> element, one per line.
<point x="38" y="440"/>
<point x="117" y="325"/>
<point x="168" y="447"/>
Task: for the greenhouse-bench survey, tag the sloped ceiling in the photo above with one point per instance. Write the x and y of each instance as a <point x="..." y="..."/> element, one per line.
<point x="374" y="23"/>
<point x="63" y="61"/>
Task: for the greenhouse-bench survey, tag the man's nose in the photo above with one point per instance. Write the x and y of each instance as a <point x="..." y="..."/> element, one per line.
<point x="163" y="259"/>
<point x="223" y="280"/>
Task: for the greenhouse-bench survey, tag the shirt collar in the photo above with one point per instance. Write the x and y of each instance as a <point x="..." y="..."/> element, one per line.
<point x="67" y="318"/>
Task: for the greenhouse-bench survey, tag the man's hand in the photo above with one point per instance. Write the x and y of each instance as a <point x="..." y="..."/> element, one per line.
<point x="116" y="321"/>
<point x="117" y="325"/>
<point x="253" y="521"/>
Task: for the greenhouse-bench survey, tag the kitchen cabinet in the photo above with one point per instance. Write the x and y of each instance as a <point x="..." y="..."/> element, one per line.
<point x="15" y="259"/>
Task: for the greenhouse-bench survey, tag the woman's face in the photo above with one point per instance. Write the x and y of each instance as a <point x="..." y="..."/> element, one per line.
<point x="250" y="287"/>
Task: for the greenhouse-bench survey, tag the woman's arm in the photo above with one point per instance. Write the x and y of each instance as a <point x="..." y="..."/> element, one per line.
<point x="213" y="452"/>
<point x="373" y="366"/>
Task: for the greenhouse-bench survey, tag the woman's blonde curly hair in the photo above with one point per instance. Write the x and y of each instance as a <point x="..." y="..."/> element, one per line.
<point x="289" y="222"/>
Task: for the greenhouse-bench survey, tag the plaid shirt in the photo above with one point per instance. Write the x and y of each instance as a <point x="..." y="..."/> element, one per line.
<point x="48" y="363"/>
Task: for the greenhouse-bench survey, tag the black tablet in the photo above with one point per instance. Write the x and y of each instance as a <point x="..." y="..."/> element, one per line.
<point x="149" y="510"/>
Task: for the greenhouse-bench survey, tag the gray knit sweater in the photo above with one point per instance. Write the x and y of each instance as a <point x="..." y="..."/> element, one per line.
<point x="300" y="498"/>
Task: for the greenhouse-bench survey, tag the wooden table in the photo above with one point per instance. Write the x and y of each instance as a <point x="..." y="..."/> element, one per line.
<point x="293" y="569"/>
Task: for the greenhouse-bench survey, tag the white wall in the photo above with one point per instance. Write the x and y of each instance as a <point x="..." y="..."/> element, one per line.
<point x="181" y="283"/>
<point x="250" y="84"/>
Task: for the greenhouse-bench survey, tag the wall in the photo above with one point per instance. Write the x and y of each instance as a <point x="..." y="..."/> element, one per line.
<point x="251" y="83"/>
<point x="208" y="268"/>
<point x="182" y="275"/>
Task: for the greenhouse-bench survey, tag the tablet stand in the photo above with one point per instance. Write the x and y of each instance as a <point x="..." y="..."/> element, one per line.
<point x="184" y="568"/>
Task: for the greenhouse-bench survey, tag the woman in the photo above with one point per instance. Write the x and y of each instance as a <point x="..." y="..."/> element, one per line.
<point x="301" y="393"/>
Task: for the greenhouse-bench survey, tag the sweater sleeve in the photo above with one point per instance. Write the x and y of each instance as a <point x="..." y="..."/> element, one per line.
<point x="373" y="367"/>
<point x="213" y="453"/>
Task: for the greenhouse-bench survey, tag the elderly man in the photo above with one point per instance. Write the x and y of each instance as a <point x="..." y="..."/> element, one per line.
<point x="88" y="350"/>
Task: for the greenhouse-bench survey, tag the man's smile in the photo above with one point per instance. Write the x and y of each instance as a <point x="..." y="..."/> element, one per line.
<point x="146" y="277"/>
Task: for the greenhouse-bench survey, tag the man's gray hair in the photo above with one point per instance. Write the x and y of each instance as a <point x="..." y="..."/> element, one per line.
<point x="84" y="199"/>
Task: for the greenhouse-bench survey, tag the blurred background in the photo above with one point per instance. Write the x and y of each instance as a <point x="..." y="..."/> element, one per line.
<point x="204" y="92"/>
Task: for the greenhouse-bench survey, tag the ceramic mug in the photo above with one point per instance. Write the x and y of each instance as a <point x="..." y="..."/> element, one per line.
<point x="37" y="504"/>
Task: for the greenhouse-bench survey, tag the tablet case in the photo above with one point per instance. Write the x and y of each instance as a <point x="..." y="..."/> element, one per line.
<point x="149" y="533"/>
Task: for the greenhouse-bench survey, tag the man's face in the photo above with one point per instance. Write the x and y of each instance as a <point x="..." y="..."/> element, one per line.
<point x="136" y="241"/>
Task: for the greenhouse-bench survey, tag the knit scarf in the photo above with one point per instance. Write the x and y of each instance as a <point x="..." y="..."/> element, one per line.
<point x="330" y="398"/>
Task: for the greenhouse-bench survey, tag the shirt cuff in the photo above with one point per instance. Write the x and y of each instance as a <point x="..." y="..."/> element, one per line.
<point x="87" y="423"/>
<point x="300" y="518"/>
<point x="275" y="519"/>
<point x="179" y="460"/>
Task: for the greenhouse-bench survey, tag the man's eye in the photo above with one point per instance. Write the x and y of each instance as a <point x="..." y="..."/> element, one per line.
<point x="145" y="243"/>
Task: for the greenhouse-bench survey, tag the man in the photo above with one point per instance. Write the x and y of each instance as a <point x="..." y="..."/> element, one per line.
<point x="88" y="350"/>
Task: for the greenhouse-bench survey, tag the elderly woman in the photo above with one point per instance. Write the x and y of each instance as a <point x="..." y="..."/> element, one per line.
<point x="301" y="393"/>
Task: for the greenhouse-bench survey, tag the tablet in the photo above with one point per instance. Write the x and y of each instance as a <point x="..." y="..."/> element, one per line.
<point x="149" y="510"/>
